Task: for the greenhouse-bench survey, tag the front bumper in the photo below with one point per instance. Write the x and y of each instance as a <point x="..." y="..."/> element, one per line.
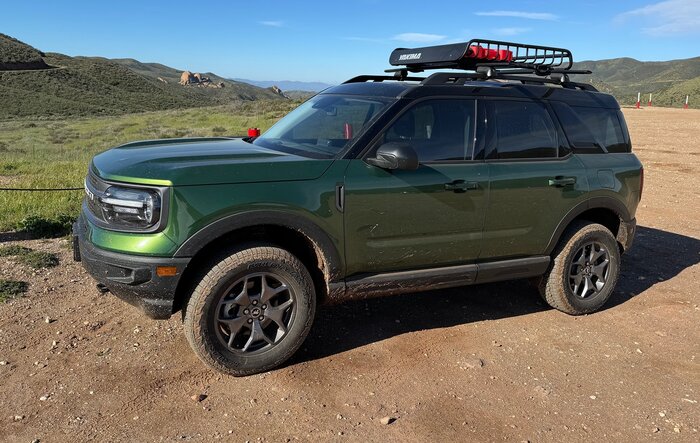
<point x="132" y="278"/>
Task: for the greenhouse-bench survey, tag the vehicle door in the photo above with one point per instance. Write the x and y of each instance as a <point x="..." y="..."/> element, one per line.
<point x="534" y="179"/>
<point x="428" y="217"/>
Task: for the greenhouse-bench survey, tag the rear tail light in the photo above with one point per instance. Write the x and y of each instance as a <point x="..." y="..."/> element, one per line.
<point x="641" y="182"/>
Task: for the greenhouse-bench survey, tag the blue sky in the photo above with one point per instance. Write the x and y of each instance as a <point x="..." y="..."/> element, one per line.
<point x="330" y="41"/>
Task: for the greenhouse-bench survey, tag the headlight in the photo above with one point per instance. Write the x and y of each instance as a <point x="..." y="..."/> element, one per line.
<point x="130" y="208"/>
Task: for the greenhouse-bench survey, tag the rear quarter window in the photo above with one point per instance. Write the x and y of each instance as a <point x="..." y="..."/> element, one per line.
<point x="593" y="130"/>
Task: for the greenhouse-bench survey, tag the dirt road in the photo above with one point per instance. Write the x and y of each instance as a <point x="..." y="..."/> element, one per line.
<point x="487" y="363"/>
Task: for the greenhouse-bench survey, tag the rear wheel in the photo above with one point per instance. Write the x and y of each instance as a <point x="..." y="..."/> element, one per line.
<point x="251" y="311"/>
<point x="584" y="272"/>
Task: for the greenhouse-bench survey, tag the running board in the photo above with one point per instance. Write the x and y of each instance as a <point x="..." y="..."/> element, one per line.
<point x="375" y="285"/>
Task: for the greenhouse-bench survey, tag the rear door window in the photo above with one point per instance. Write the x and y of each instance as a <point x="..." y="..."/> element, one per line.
<point x="523" y="130"/>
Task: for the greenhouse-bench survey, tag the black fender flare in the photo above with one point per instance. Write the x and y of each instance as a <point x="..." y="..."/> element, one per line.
<point x="610" y="203"/>
<point x="284" y="219"/>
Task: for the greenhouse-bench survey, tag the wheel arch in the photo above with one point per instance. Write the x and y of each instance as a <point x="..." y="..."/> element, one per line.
<point x="303" y="238"/>
<point x="606" y="211"/>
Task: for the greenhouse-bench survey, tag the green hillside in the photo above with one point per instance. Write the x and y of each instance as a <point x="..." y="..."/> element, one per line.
<point x="15" y="55"/>
<point x="155" y="71"/>
<point x="675" y="95"/>
<point x="89" y="86"/>
<point x="624" y="77"/>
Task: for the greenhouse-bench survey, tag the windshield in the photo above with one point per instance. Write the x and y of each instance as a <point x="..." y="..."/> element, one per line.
<point x="323" y="126"/>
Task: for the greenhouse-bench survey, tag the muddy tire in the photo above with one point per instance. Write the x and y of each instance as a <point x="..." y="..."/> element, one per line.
<point x="584" y="270"/>
<point x="251" y="311"/>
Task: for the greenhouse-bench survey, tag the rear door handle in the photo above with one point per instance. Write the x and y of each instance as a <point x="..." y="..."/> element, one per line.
<point x="460" y="186"/>
<point x="560" y="181"/>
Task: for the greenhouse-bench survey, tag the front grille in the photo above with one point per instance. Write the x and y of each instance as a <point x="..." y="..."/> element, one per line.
<point x="94" y="188"/>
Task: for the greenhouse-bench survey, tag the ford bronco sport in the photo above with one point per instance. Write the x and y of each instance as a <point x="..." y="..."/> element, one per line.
<point x="500" y="168"/>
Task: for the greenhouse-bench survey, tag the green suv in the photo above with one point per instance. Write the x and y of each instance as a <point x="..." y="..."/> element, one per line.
<point x="502" y="168"/>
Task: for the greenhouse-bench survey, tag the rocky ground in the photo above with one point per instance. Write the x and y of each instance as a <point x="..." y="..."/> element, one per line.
<point x="487" y="363"/>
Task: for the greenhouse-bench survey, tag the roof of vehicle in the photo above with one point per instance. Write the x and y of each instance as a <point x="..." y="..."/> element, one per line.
<point x="412" y="90"/>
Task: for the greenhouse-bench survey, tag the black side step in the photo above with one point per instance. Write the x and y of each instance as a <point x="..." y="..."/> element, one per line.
<point x="375" y="285"/>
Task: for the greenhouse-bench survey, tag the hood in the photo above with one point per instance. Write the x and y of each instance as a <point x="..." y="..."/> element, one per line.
<point x="202" y="161"/>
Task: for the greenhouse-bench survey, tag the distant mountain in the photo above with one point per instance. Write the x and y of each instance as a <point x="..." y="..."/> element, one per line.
<point x="287" y="85"/>
<point x="668" y="81"/>
<point x="37" y="84"/>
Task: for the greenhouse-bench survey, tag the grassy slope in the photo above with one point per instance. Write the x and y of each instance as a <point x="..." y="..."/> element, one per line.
<point x="675" y="95"/>
<point x="232" y="90"/>
<point x="93" y="86"/>
<point x="56" y="153"/>
<point x="624" y="77"/>
<point x="17" y="55"/>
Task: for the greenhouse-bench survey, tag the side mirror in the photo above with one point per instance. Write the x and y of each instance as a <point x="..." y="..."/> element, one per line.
<point x="395" y="155"/>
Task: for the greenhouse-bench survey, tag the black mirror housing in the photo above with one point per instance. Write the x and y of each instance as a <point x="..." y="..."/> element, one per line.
<point x="395" y="155"/>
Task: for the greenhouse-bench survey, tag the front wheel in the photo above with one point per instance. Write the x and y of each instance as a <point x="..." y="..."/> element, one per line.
<point x="251" y="311"/>
<point x="585" y="269"/>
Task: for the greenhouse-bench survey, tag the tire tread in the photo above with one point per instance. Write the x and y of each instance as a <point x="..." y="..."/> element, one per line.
<point x="195" y="323"/>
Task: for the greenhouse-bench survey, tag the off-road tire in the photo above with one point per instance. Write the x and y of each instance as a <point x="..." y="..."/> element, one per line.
<point x="555" y="285"/>
<point x="200" y="318"/>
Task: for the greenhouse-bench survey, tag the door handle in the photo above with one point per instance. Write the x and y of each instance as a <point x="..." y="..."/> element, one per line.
<point x="560" y="181"/>
<point x="459" y="186"/>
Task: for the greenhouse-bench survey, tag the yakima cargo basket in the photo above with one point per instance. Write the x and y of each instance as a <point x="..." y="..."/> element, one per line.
<point x="505" y="56"/>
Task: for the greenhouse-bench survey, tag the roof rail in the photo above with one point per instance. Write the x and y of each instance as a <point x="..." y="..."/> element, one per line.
<point x="498" y="56"/>
<point x="460" y="78"/>
<point x="381" y="78"/>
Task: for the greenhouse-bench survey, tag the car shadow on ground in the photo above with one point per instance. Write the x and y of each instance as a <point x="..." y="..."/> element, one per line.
<point x="655" y="257"/>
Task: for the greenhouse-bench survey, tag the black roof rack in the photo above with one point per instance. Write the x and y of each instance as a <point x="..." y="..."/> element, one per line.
<point x="489" y="59"/>
<point x="381" y="78"/>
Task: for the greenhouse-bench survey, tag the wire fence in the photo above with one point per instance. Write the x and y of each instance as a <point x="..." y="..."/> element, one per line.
<point x="40" y="189"/>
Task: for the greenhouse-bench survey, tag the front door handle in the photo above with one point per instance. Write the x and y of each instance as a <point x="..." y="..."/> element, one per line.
<point x="459" y="186"/>
<point x="560" y="181"/>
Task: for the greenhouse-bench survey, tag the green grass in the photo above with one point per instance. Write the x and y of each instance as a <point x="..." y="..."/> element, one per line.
<point x="11" y="250"/>
<point x="41" y="227"/>
<point x="30" y="257"/>
<point x="38" y="259"/>
<point x="10" y="289"/>
<point x="56" y="154"/>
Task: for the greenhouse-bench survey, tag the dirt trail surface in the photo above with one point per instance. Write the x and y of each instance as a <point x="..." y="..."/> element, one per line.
<point x="487" y="363"/>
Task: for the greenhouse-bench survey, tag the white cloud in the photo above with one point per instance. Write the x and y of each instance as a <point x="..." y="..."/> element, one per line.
<point x="417" y="37"/>
<point x="509" y="32"/>
<point x="273" y="23"/>
<point x="519" y="14"/>
<point x="667" y="17"/>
